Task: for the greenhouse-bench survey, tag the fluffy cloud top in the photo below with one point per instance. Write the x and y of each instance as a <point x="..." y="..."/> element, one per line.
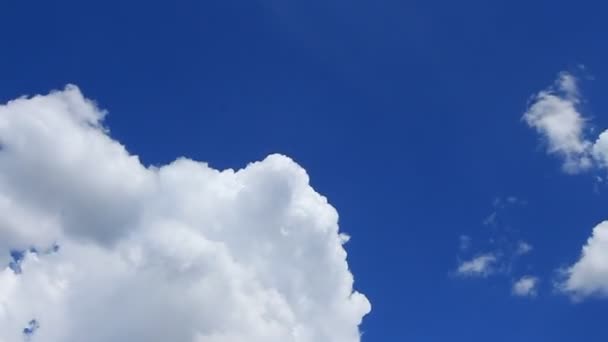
<point x="589" y="275"/>
<point x="181" y="252"/>
<point x="480" y="266"/>
<point x="526" y="286"/>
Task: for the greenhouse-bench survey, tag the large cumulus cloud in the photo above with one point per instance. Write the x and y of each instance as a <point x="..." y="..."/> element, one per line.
<point x="180" y="252"/>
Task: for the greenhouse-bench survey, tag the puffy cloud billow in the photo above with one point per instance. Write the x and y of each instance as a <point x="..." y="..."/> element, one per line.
<point x="99" y="247"/>
<point x="589" y="275"/>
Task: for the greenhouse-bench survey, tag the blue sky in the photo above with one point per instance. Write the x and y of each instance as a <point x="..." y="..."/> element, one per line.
<point x="406" y="115"/>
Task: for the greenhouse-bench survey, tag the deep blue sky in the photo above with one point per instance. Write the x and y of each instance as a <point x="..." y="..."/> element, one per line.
<point x="406" y="114"/>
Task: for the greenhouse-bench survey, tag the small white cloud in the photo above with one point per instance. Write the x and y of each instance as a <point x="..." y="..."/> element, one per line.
<point x="526" y="286"/>
<point x="480" y="266"/>
<point x="555" y="116"/>
<point x="523" y="248"/>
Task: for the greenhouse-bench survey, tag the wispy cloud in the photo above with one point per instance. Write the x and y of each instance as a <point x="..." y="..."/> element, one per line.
<point x="526" y="286"/>
<point x="523" y="248"/>
<point x="465" y="242"/>
<point x="501" y="244"/>
<point x="480" y="266"/>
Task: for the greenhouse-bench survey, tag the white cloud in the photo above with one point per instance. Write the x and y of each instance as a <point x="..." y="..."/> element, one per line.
<point x="180" y="252"/>
<point x="523" y="248"/>
<point x="555" y="116"/>
<point x="526" y="286"/>
<point x="480" y="266"/>
<point x="589" y="275"/>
